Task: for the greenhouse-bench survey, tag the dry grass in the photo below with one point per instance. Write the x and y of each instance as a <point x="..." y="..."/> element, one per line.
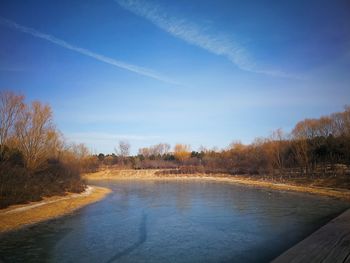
<point x="112" y="174"/>
<point x="17" y="216"/>
<point x="109" y="174"/>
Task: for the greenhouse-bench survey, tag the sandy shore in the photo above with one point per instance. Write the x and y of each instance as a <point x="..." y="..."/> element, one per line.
<point x="109" y="174"/>
<point x="17" y="216"/>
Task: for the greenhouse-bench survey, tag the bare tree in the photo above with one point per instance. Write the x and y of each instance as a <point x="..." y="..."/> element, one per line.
<point x="35" y="132"/>
<point x="276" y="148"/>
<point x="162" y="148"/>
<point x="11" y="106"/>
<point x="300" y="146"/>
<point x="346" y="120"/>
<point x="158" y="150"/>
<point x="145" y="152"/>
<point x="123" y="149"/>
<point x="324" y="127"/>
<point x="80" y="151"/>
<point x="182" y="152"/>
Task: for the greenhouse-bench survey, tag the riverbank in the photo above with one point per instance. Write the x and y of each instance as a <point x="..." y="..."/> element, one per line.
<point x="17" y="216"/>
<point x="113" y="174"/>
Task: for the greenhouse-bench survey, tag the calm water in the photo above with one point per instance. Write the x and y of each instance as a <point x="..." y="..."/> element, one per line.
<point x="164" y="221"/>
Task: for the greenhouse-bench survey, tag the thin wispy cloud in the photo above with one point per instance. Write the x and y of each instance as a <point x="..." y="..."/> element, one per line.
<point x="120" y="64"/>
<point x="182" y="28"/>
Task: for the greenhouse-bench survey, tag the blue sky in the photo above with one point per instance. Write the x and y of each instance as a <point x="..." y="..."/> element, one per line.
<point x="194" y="72"/>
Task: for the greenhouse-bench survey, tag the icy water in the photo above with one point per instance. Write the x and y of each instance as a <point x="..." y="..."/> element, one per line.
<point x="168" y="221"/>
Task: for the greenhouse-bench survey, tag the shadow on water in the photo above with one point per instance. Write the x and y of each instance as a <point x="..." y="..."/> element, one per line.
<point x="142" y="239"/>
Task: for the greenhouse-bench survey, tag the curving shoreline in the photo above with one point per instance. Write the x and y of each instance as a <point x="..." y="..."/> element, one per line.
<point x="330" y="243"/>
<point x="109" y="174"/>
<point x="18" y="216"/>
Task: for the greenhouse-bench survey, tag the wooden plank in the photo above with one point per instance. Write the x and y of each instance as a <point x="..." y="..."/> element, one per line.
<point x="331" y="243"/>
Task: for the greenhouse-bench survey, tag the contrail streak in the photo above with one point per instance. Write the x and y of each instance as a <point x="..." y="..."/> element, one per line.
<point x="120" y="64"/>
<point x="197" y="35"/>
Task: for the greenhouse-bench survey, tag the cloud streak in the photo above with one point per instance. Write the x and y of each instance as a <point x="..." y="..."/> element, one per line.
<point x="120" y="64"/>
<point x="218" y="44"/>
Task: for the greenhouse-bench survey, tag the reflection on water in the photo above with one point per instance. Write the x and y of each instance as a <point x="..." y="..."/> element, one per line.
<point x="167" y="221"/>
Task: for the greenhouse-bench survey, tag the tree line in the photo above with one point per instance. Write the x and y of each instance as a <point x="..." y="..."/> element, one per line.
<point x="315" y="148"/>
<point x="35" y="160"/>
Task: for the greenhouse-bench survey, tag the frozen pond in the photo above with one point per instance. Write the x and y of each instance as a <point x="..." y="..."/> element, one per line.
<point x="175" y="221"/>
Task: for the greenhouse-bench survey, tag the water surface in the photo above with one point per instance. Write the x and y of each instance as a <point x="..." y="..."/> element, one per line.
<point x="168" y="221"/>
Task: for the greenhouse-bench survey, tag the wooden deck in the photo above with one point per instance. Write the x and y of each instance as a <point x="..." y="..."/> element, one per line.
<point x="331" y="243"/>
